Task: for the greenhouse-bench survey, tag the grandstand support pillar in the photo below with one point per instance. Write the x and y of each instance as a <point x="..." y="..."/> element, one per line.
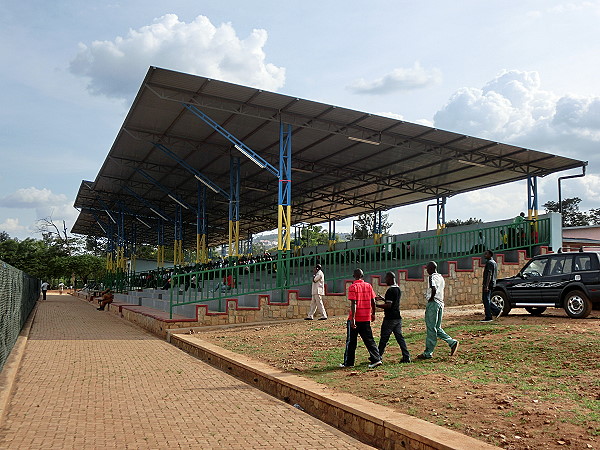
<point x="160" y="246"/>
<point x="201" y="227"/>
<point x="285" y="188"/>
<point x="532" y="209"/>
<point x="234" y="206"/>
<point x="532" y="198"/>
<point x="178" y="238"/>
<point x="377" y="234"/>
<point x="284" y="208"/>
<point x="331" y="242"/>
<point x="441" y="213"/>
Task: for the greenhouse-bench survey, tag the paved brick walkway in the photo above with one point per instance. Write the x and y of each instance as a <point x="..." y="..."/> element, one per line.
<point x="91" y="380"/>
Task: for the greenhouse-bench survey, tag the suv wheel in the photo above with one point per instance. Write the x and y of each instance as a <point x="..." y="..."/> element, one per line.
<point x="498" y="298"/>
<point x="577" y="305"/>
<point x="535" y="310"/>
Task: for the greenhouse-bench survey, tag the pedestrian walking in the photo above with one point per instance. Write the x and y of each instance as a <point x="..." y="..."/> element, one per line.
<point x="392" y="320"/>
<point x="44" y="290"/>
<point x="434" y="312"/>
<point x="317" y="292"/>
<point x="362" y="313"/>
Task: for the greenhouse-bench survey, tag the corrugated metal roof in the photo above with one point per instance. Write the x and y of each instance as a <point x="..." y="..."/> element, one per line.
<point x="344" y="162"/>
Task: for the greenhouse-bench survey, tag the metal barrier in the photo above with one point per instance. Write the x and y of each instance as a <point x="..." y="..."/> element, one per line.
<point x="18" y="294"/>
<point x="213" y="286"/>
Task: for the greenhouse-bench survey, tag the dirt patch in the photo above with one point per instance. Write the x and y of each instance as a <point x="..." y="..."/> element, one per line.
<point x="522" y="382"/>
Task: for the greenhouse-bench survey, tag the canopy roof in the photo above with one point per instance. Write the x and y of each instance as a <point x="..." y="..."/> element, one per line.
<point x="344" y="162"/>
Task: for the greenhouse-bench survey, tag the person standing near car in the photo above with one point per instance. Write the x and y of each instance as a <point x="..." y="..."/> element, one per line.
<point x="490" y="273"/>
<point x="434" y="313"/>
<point x="317" y="292"/>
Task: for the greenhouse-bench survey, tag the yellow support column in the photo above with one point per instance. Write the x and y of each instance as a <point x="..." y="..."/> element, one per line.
<point x="234" y="238"/>
<point x="160" y="256"/>
<point x="284" y="225"/>
<point x="377" y="238"/>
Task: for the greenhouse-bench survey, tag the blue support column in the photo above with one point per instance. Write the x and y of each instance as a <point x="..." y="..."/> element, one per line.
<point x="160" y="244"/>
<point x="284" y="208"/>
<point x="532" y="209"/>
<point x="234" y="206"/>
<point x="331" y="243"/>
<point x="201" y="227"/>
<point x="441" y="213"/>
<point x="284" y="220"/>
<point x="377" y="230"/>
<point x="178" y="238"/>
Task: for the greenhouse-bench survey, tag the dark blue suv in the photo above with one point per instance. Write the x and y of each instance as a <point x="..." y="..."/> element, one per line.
<point x="561" y="280"/>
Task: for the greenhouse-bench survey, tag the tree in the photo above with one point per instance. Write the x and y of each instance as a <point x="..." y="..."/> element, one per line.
<point x="594" y="216"/>
<point x="460" y="223"/>
<point x="365" y="226"/>
<point x="313" y="235"/>
<point x="571" y="216"/>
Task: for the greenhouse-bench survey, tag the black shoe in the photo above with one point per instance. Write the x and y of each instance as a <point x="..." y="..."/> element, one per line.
<point x="454" y="348"/>
<point x="486" y="320"/>
<point x="405" y="360"/>
<point x="323" y="318"/>
<point x="308" y="318"/>
<point x="422" y="356"/>
<point x="100" y="309"/>
<point x="375" y="364"/>
<point x="343" y="366"/>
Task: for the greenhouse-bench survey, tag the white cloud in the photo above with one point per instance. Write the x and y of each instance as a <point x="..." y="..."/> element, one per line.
<point x="514" y="108"/>
<point x="115" y="68"/>
<point x="32" y="198"/>
<point x="401" y="79"/>
<point x="11" y="226"/>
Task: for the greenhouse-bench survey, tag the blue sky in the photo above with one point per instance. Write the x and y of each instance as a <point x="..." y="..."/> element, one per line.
<point x="523" y="73"/>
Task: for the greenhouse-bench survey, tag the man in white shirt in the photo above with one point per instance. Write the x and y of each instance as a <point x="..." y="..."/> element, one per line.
<point x="317" y="291"/>
<point x="44" y="290"/>
<point x="434" y="312"/>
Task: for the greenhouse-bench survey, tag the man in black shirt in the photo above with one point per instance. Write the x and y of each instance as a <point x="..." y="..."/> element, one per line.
<point x="392" y="321"/>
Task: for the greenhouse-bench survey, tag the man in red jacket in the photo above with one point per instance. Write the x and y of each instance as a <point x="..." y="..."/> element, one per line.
<point x="362" y="313"/>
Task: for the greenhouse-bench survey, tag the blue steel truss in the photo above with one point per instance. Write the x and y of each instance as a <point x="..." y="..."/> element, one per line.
<point x="166" y="190"/>
<point x="199" y="176"/>
<point x="149" y="205"/>
<point x="239" y="145"/>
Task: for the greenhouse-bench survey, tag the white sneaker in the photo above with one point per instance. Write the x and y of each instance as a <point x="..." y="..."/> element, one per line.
<point x="375" y="364"/>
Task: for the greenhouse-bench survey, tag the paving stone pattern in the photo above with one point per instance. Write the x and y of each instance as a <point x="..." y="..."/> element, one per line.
<point x="91" y="380"/>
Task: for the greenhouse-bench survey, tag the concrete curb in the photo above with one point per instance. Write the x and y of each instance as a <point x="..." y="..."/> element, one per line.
<point x="373" y="424"/>
<point x="11" y="367"/>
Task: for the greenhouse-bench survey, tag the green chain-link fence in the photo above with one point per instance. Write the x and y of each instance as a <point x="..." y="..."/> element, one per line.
<point x="18" y="294"/>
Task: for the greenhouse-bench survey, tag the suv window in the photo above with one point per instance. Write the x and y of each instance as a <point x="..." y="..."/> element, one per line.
<point x="559" y="265"/>
<point x="535" y="268"/>
<point x="583" y="262"/>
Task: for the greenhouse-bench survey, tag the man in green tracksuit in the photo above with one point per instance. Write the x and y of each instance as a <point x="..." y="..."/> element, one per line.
<point x="434" y="312"/>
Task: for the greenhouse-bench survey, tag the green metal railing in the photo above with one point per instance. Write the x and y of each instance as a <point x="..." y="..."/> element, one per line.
<point x="18" y="294"/>
<point x="287" y="271"/>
